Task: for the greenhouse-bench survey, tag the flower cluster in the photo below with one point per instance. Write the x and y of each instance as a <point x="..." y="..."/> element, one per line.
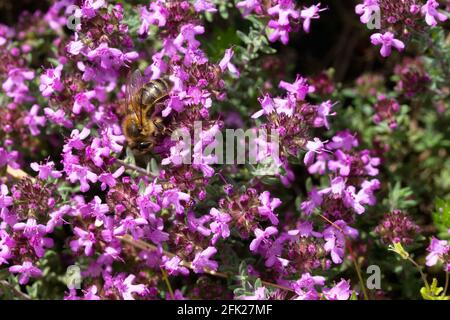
<point x="177" y="222"/>
<point x="398" y="19"/>
<point x="397" y="226"/>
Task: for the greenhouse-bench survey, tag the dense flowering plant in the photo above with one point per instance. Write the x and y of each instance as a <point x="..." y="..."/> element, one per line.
<point x="349" y="166"/>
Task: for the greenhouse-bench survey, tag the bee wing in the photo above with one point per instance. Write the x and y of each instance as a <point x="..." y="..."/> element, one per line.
<point x="134" y="83"/>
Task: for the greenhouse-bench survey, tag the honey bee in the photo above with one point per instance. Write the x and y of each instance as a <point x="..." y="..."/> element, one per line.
<point x="142" y="125"/>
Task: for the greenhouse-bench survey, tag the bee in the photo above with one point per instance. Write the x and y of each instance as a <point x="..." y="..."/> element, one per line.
<point x="142" y="124"/>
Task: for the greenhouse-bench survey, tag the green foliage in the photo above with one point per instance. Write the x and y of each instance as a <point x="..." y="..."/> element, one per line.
<point x="434" y="292"/>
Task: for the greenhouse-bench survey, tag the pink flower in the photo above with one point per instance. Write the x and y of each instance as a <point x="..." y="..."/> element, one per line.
<point x="173" y="266"/>
<point x="58" y="117"/>
<point x="261" y="236"/>
<point x="310" y="13"/>
<point x="46" y="170"/>
<point x="157" y="15"/>
<point x="432" y="15"/>
<point x="249" y="6"/>
<point x="201" y="260"/>
<point x="387" y="41"/>
<point x="85" y="239"/>
<point x="219" y="226"/>
<point x="108" y="179"/>
<point x="341" y="291"/>
<point x="51" y="81"/>
<point x="204" y="5"/>
<point x="187" y="35"/>
<point x="126" y="287"/>
<point x="226" y="64"/>
<point x="299" y="88"/>
<point x="268" y="206"/>
<point x="285" y="10"/>
<point x="82" y="174"/>
<point x="314" y="147"/>
<point x="437" y="249"/>
<point x="32" y="120"/>
<point x="27" y="271"/>
<point x="15" y="86"/>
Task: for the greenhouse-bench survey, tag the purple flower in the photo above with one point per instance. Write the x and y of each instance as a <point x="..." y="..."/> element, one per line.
<point x="85" y="239"/>
<point x="6" y="246"/>
<point x="58" y="117"/>
<point x="173" y="197"/>
<point x="335" y="239"/>
<point x="82" y="101"/>
<point x="284" y="9"/>
<point x="387" y="41"/>
<point x="299" y="88"/>
<point x="157" y="15"/>
<point x="96" y="152"/>
<point x="94" y="209"/>
<point x="32" y="120"/>
<point x="110" y="180"/>
<point x="261" y="236"/>
<point x="204" y="5"/>
<point x="267" y="207"/>
<point x="15" y="86"/>
<point x="126" y="287"/>
<point x="314" y="147"/>
<point x="197" y="224"/>
<point x="27" y="271"/>
<point x="187" y="35"/>
<point x="132" y="225"/>
<point x="305" y="287"/>
<point x="76" y="139"/>
<point x="219" y="226"/>
<point x="173" y="266"/>
<point x="310" y="13"/>
<point x="250" y="6"/>
<point x="226" y="64"/>
<point x="432" y="15"/>
<point x="267" y="105"/>
<point x="82" y="174"/>
<point x="46" y="170"/>
<point x="90" y="7"/>
<point x="437" y="250"/>
<point x="259" y="294"/>
<point x="51" y="81"/>
<point x="201" y="260"/>
<point x="341" y="291"/>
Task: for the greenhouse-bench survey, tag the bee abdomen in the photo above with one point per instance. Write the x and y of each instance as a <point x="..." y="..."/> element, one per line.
<point x="155" y="91"/>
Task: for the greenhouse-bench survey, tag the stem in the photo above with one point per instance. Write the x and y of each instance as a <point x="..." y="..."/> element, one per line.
<point x="166" y="280"/>
<point x="358" y="270"/>
<point x="135" y="168"/>
<point x="17" y="293"/>
<point x="446" y="284"/>
<point x="423" y="275"/>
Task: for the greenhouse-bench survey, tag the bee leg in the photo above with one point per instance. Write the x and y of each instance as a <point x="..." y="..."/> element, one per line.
<point x="159" y="124"/>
